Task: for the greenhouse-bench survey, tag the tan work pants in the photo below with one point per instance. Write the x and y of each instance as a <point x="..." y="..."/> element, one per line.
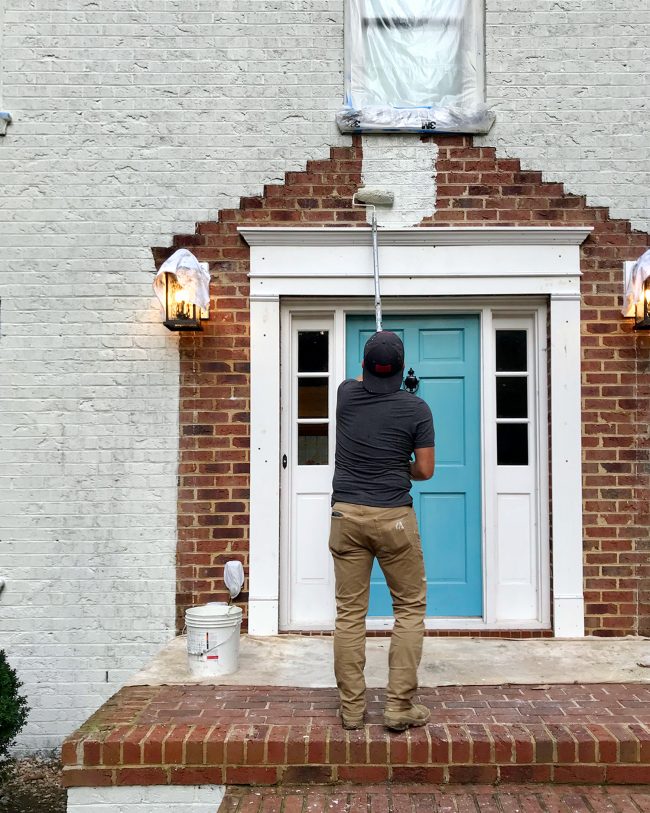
<point x="358" y="534"/>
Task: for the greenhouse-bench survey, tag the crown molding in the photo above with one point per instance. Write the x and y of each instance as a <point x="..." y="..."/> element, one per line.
<point x="419" y="236"/>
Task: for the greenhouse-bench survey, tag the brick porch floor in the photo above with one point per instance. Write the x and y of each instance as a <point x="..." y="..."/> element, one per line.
<point x="428" y="799"/>
<point x="267" y="735"/>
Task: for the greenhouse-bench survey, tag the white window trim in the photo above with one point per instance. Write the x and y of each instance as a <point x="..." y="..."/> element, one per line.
<point x="416" y="262"/>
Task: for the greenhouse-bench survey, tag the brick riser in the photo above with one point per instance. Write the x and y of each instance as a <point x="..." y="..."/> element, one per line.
<point x="267" y="736"/>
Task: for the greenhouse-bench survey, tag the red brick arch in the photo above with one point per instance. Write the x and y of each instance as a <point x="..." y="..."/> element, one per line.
<point x="474" y="188"/>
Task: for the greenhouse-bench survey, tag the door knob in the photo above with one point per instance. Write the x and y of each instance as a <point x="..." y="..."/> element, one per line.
<point x="411" y="382"/>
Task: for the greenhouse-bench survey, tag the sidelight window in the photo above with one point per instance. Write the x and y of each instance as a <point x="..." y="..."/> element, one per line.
<point x="512" y="400"/>
<point x="313" y="385"/>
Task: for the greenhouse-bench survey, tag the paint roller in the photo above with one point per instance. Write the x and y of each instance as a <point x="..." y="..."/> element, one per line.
<point x="371" y="198"/>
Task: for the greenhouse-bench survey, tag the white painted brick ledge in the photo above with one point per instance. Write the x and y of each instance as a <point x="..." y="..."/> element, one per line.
<point x="146" y="799"/>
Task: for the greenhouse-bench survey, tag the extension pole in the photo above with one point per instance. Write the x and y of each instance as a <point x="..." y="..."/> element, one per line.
<point x="375" y="268"/>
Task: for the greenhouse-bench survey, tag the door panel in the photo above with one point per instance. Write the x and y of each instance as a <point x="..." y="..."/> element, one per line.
<point x="515" y="484"/>
<point x="444" y="352"/>
<point x="309" y="572"/>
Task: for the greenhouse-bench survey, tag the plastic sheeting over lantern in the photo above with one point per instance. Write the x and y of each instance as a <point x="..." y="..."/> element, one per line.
<point x="636" y="300"/>
<point x="182" y="286"/>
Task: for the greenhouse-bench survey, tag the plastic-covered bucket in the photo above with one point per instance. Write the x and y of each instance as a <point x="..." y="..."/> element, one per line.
<point x="213" y="638"/>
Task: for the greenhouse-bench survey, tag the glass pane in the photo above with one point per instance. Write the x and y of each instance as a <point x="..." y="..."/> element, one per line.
<point x="512" y="444"/>
<point x="312" y="444"/>
<point x="412" y="53"/>
<point x="511" y="351"/>
<point x="312" y="397"/>
<point x="512" y="397"/>
<point x="312" y="351"/>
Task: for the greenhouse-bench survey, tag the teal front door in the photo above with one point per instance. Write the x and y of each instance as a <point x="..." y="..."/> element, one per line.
<point x="444" y="353"/>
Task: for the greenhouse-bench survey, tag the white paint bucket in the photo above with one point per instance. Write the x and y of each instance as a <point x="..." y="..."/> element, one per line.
<point x="213" y="638"/>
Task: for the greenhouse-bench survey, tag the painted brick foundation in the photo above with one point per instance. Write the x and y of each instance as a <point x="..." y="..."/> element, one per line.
<point x="238" y="735"/>
<point x="474" y="188"/>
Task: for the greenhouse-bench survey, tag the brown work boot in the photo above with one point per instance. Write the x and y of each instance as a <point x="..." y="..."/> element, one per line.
<point x="352" y="723"/>
<point x="401" y="719"/>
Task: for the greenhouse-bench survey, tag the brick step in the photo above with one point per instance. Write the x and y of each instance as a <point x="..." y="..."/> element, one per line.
<point x="236" y="735"/>
<point x="380" y="798"/>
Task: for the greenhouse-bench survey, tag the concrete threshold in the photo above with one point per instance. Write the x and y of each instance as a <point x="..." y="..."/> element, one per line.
<point x="306" y="661"/>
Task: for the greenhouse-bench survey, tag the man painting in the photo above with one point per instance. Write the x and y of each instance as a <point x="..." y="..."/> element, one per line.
<point x="379" y="427"/>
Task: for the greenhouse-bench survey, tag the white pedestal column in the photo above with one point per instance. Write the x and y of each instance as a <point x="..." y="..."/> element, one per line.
<point x="264" y="557"/>
<point x="566" y="433"/>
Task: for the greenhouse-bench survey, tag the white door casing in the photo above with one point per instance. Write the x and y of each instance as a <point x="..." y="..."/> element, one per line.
<point x="421" y="262"/>
<point x="515" y="553"/>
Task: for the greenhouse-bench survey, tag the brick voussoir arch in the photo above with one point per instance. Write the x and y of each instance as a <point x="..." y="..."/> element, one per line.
<point x="474" y="188"/>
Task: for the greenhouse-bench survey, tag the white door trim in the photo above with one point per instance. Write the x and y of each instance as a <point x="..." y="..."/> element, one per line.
<point x="530" y="313"/>
<point x="415" y="263"/>
<point x="427" y="236"/>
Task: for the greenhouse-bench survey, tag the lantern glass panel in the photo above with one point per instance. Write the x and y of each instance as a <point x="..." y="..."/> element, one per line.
<point x="180" y="314"/>
<point x="642" y="315"/>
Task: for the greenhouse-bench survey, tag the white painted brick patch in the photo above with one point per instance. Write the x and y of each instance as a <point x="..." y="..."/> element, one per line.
<point x="146" y="799"/>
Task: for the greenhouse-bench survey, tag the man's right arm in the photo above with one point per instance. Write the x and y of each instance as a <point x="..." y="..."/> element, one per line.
<point x="424" y="464"/>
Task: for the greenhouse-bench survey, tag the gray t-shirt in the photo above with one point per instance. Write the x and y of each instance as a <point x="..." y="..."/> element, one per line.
<point x="375" y="438"/>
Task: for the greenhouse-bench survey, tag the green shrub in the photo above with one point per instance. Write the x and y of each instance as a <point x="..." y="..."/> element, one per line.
<point x="13" y="706"/>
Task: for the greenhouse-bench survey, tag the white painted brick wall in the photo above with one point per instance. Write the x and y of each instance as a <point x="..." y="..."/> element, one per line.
<point x="145" y="799"/>
<point x="133" y="119"/>
<point x="569" y="81"/>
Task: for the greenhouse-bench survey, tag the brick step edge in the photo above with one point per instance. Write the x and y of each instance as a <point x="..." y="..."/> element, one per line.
<point x="188" y="746"/>
<point x="267" y="755"/>
<point x="615" y="774"/>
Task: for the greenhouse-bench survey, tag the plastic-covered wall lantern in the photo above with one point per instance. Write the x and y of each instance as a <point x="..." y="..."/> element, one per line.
<point x="642" y="316"/>
<point x="637" y="291"/>
<point x="5" y="121"/>
<point x="182" y="286"/>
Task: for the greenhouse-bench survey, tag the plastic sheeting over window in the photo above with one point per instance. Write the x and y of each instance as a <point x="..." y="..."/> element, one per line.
<point x="414" y="65"/>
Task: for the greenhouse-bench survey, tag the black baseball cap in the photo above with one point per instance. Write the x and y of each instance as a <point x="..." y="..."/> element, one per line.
<point x="383" y="362"/>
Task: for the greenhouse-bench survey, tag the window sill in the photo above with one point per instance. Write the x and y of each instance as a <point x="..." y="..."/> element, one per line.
<point x="420" y="120"/>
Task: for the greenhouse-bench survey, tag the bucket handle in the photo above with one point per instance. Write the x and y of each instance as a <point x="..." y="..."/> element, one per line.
<point x="225" y="641"/>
